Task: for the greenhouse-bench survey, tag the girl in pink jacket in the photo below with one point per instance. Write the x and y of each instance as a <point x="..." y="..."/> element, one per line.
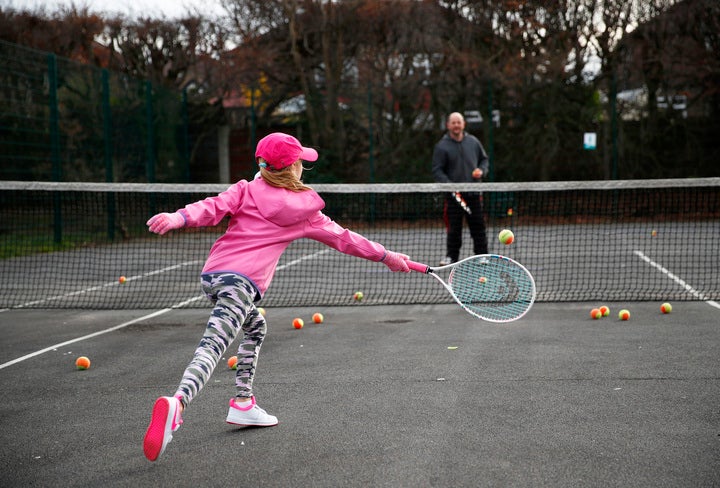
<point x="266" y="215"/>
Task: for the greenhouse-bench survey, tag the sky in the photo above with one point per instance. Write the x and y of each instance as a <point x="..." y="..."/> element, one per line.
<point x="131" y="8"/>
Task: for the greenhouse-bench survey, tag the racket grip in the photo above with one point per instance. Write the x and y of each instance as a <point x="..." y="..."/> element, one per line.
<point x="419" y="267"/>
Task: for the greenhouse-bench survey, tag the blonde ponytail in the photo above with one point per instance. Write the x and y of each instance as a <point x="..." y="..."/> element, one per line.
<point x="282" y="178"/>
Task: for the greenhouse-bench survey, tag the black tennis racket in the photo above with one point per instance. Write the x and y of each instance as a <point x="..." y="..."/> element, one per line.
<point x="491" y="287"/>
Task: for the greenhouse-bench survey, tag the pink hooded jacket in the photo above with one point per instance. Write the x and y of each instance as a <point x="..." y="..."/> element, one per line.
<point x="264" y="220"/>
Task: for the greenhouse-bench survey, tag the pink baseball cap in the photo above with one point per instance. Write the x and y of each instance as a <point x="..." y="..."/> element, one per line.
<point x="281" y="150"/>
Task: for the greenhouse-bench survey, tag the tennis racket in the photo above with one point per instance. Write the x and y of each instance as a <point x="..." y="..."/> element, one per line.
<point x="490" y="287"/>
<point x="459" y="198"/>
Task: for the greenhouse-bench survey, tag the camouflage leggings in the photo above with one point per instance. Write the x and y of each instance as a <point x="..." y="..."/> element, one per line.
<point x="234" y="310"/>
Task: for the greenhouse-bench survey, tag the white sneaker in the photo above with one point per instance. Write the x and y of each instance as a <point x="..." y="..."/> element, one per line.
<point x="253" y="416"/>
<point x="165" y="420"/>
<point x="446" y="260"/>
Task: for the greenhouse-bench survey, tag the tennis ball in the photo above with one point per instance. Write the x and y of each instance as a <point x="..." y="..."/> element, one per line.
<point x="506" y="236"/>
<point x="482" y="280"/>
<point x="318" y="318"/>
<point x="122" y="280"/>
<point x="509" y="212"/>
<point x="82" y="363"/>
<point x="595" y="313"/>
<point x="666" y="308"/>
<point x="358" y="296"/>
<point x="232" y="362"/>
<point x="262" y="311"/>
<point x="624" y="314"/>
<point x="605" y="311"/>
<point x="298" y="323"/>
<point x="653" y="233"/>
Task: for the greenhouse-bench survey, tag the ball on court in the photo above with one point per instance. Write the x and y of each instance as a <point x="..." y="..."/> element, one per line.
<point x="262" y="311"/>
<point x="358" y="296"/>
<point x="122" y="280"/>
<point x="232" y="362"/>
<point x="298" y="323"/>
<point x="624" y="314"/>
<point x="506" y="236"/>
<point x="605" y="311"/>
<point x="666" y="308"/>
<point x="595" y="313"/>
<point x="82" y="363"/>
<point x="318" y="318"/>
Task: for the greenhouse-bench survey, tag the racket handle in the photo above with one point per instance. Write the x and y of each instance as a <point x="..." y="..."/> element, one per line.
<point x="419" y="267"/>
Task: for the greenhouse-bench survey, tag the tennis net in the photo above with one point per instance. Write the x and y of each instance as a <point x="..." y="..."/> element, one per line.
<point x="65" y="245"/>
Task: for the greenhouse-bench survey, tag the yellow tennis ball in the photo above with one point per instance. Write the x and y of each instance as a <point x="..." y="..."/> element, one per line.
<point x="122" y="280"/>
<point x="595" y="313"/>
<point x="232" y="362"/>
<point x="262" y="311"/>
<point x="298" y="323"/>
<point x="624" y="314"/>
<point x="666" y="308"/>
<point x="605" y="311"/>
<point x="506" y="236"/>
<point x="82" y="362"/>
<point x="358" y="296"/>
<point x="318" y="318"/>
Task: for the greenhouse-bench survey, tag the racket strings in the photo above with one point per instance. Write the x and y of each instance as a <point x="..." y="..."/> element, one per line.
<point x="493" y="287"/>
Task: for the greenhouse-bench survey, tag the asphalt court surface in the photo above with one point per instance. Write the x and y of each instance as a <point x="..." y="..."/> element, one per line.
<point x="416" y="396"/>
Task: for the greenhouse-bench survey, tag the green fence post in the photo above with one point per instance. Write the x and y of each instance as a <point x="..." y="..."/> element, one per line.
<point x="371" y="151"/>
<point x="252" y="119"/>
<point x="107" y="152"/>
<point x="150" y="143"/>
<point x="614" y="127"/>
<point x="490" y="141"/>
<point x="55" y="144"/>
<point x="185" y="135"/>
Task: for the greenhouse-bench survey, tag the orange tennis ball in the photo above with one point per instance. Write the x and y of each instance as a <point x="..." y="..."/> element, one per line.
<point x="298" y="323"/>
<point x="82" y="363"/>
<point x="506" y="237"/>
<point x="122" y="280"/>
<point x="666" y="308"/>
<point x="509" y="212"/>
<point x="605" y="311"/>
<point x="624" y="314"/>
<point x="595" y="313"/>
<point x="482" y="280"/>
<point x="318" y="318"/>
<point x="232" y="362"/>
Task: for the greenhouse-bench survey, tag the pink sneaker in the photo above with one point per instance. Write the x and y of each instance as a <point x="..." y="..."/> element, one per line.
<point x="165" y="420"/>
<point x="250" y="415"/>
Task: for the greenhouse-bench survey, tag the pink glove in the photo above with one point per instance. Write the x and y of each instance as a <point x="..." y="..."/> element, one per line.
<point x="163" y="222"/>
<point x="396" y="261"/>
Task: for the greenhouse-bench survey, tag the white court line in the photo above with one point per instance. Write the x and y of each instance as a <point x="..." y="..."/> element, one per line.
<point x="101" y="332"/>
<point x="304" y="258"/>
<point x="100" y="287"/>
<point x="677" y="279"/>
<point x="144" y="317"/>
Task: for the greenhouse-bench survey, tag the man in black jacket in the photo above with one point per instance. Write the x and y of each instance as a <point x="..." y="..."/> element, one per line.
<point x="459" y="157"/>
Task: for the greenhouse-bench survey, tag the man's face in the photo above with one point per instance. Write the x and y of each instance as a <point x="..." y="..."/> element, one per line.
<point x="455" y="125"/>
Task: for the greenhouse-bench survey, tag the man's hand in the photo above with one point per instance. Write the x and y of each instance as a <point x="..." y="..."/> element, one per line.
<point x="477" y="173"/>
